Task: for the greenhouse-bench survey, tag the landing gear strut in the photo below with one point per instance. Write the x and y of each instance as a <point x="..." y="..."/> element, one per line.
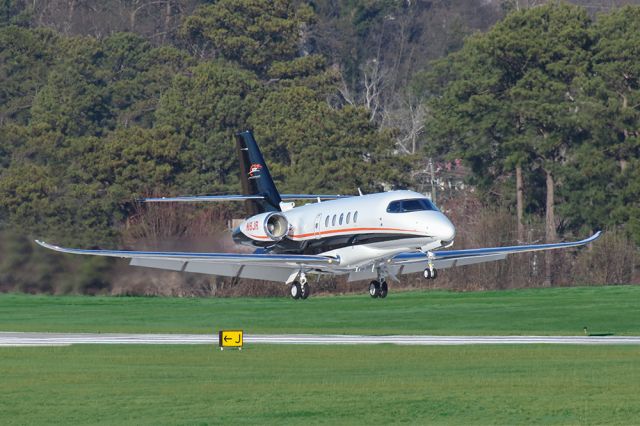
<point x="378" y="289"/>
<point x="306" y="291"/>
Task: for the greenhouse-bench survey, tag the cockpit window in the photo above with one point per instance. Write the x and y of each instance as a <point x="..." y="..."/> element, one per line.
<point x="412" y="205"/>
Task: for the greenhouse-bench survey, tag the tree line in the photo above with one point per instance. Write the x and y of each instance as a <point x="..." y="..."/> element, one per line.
<point x="542" y="107"/>
<point x="548" y="99"/>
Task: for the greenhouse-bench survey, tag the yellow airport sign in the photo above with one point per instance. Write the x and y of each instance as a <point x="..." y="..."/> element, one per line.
<point x="230" y="339"/>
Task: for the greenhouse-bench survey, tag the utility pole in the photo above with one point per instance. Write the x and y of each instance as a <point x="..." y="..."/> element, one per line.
<point x="433" y="182"/>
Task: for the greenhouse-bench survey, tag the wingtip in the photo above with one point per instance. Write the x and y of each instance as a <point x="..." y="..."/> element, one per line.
<point x="594" y="237"/>
<point x="43" y="244"/>
<point x="47" y="245"/>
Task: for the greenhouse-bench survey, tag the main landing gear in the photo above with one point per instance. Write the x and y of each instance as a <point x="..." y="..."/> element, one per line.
<point x="300" y="289"/>
<point x="430" y="273"/>
<point x="378" y="289"/>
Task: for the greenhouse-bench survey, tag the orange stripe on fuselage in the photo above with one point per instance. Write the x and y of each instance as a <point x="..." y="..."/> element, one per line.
<point x="258" y="236"/>
<point x="338" y="231"/>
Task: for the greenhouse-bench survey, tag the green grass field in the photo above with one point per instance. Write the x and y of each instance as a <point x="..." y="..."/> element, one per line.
<point x="558" y="311"/>
<point x="263" y="384"/>
<point x="330" y="385"/>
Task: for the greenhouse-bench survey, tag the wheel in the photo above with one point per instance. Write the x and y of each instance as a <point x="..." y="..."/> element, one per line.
<point x="434" y="273"/>
<point x="296" y="290"/>
<point x="383" y="289"/>
<point x="427" y="273"/>
<point x="374" y="289"/>
<point x="305" y="291"/>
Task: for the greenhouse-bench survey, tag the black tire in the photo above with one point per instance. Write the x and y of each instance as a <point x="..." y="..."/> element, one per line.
<point x="374" y="289"/>
<point x="296" y="290"/>
<point x="427" y="274"/>
<point x="384" y="289"/>
<point x="434" y="274"/>
<point x="305" y="291"/>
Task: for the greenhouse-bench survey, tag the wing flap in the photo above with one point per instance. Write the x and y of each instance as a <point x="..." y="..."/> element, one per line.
<point x="225" y="270"/>
<point x="168" y="264"/>
<point x="256" y="272"/>
<point x="270" y="273"/>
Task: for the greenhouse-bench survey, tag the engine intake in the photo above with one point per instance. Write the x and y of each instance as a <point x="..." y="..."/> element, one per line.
<point x="276" y="226"/>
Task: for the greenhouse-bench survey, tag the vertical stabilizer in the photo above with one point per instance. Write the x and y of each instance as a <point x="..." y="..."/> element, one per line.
<point x="255" y="176"/>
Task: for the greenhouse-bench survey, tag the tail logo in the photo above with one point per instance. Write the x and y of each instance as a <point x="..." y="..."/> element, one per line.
<point x="254" y="171"/>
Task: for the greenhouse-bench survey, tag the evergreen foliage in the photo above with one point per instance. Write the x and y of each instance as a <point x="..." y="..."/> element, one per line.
<point x="551" y="90"/>
<point x="90" y="124"/>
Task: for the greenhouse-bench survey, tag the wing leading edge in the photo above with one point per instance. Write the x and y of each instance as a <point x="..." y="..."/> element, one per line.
<point x="449" y="258"/>
<point x="270" y="267"/>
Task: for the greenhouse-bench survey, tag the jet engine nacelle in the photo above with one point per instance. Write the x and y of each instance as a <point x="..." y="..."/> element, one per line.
<point x="270" y="226"/>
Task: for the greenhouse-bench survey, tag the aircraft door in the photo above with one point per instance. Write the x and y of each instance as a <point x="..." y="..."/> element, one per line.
<point x="316" y="226"/>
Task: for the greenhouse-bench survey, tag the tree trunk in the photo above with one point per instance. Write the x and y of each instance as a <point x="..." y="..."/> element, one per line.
<point x="167" y="21"/>
<point x="520" y="203"/>
<point x="623" y="165"/>
<point x="550" y="228"/>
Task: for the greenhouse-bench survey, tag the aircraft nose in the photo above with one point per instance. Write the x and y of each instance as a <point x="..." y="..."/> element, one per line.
<point x="444" y="229"/>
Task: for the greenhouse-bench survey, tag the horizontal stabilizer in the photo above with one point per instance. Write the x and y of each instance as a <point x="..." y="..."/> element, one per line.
<point x="212" y="198"/>
<point x="200" y="198"/>
<point x="288" y="197"/>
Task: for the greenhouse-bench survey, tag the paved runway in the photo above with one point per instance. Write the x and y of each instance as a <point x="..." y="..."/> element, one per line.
<point x="65" y="339"/>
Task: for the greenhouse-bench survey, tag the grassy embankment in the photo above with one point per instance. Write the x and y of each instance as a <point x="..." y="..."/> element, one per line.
<point x="558" y="311"/>
<point x="321" y="384"/>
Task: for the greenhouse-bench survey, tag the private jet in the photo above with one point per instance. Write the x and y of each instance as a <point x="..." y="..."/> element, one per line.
<point x="376" y="237"/>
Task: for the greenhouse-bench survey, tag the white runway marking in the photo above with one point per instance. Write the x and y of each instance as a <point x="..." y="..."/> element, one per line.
<point x="65" y="339"/>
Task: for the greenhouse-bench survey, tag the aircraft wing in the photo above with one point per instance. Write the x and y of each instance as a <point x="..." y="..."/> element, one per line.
<point x="271" y="267"/>
<point x="416" y="262"/>
<point x="213" y="198"/>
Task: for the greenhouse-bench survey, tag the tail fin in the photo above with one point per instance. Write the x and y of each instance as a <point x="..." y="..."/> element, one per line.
<point x="255" y="176"/>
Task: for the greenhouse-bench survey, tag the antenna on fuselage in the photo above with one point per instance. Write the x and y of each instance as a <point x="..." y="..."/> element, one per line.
<point x="360" y="192"/>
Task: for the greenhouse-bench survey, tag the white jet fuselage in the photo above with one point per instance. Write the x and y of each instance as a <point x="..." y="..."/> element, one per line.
<point x="356" y="229"/>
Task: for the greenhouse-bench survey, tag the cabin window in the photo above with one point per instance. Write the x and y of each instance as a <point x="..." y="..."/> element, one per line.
<point x="341" y="217"/>
<point x="355" y="217"/>
<point x="326" y="221"/>
<point x="348" y="217"/>
<point x="333" y="221"/>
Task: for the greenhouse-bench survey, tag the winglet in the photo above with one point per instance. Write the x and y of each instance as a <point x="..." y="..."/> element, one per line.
<point x="49" y="246"/>
<point x="593" y="237"/>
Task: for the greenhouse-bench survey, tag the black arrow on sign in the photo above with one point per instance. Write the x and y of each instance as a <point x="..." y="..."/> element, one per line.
<point x="227" y="338"/>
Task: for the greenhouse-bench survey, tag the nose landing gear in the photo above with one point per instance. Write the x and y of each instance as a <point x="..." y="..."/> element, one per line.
<point x="430" y="273"/>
